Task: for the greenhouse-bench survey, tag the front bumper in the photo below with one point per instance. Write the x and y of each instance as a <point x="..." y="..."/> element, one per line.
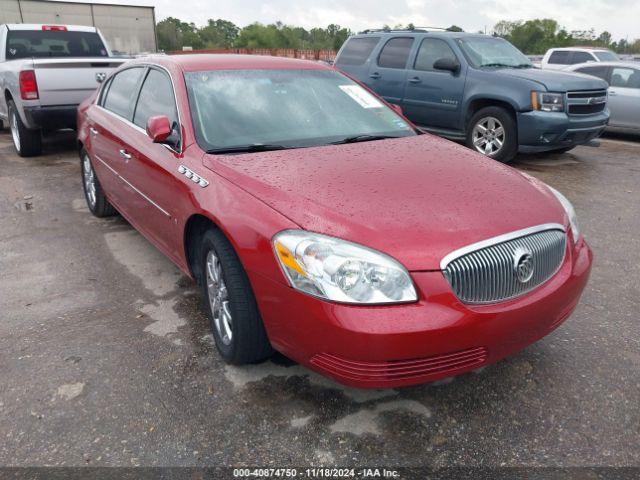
<point x="437" y="337"/>
<point x="51" y="118"/>
<point x="544" y="131"/>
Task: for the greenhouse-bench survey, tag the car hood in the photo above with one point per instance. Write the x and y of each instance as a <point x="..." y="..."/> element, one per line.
<point x="556" y="81"/>
<point x="416" y="198"/>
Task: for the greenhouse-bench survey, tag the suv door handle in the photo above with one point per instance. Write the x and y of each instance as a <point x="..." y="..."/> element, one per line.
<point x="93" y="131"/>
<point x="375" y="75"/>
<point x="124" y="154"/>
<point x="415" y="80"/>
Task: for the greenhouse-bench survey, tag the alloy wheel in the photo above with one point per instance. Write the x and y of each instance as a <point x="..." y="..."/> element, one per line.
<point x="488" y="136"/>
<point x="89" y="178"/>
<point x="15" y="133"/>
<point x="219" y="299"/>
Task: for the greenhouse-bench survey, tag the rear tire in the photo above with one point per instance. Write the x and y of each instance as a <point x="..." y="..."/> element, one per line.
<point x="492" y="132"/>
<point x="229" y="302"/>
<point x="28" y="143"/>
<point x="93" y="193"/>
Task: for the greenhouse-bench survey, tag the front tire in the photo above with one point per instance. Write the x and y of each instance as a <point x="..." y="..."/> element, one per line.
<point x="28" y="143"/>
<point x="93" y="193"/>
<point x="492" y="132"/>
<point x="237" y="327"/>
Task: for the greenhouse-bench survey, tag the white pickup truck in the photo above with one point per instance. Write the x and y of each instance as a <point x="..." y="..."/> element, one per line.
<point x="45" y="72"/>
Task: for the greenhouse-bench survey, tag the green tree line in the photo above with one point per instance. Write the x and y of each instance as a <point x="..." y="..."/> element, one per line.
<point x="532" y="36"/>
<point x="173" y="34"/>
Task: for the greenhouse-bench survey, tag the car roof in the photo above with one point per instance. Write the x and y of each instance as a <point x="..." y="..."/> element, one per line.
<point x="204" y="61"/>
<point x="635" y="65"/>
<point x="431" y="33"/>
<point x="580" y="49"/>
<point x="38" y="26"/>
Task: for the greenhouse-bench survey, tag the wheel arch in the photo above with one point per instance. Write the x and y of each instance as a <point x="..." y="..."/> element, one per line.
<point x="477" y="104"/>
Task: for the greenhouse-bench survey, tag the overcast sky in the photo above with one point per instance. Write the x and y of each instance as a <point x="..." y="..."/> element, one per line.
<point x="620" y="17"/>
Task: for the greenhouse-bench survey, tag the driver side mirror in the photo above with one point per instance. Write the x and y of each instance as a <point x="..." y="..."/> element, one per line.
<point x="159" y="128"/>
<point x="449" y="64"/>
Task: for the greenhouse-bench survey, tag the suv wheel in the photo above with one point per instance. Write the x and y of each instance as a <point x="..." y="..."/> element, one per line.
<point x="28" y="143"/>
<point x="492" y="132"/>
<point x="230" y="304"/>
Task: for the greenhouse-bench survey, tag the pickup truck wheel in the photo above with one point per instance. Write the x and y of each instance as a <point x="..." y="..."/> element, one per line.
<point x="93" y="194"/>
<point x="28" y="143"/>
<point x="492" y="132"/>
<point x="230" y="304"/>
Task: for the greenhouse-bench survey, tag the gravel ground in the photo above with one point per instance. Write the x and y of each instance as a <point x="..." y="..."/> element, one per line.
<point x="106" y="360"/>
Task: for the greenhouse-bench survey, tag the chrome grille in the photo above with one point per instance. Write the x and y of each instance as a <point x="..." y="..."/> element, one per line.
<point x="586" y="102"/>
<point x="487" y="272"/>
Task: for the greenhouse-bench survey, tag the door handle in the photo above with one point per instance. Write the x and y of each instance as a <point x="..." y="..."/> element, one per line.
<point x="415" y="80"/>
<point x="124" y="154"/>
<point x="375" y="75"/>
<point x="93" y="131"/>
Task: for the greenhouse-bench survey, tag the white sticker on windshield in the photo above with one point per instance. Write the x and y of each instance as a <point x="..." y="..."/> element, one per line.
<point x="360" y="95"/>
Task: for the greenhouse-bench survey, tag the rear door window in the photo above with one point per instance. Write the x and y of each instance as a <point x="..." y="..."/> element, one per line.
<point x="123" y="88"/>
<point x="395" y="53"/>
<point x="357" y="51"/>
<point x="600" y="72"/>
<point x="432" y="49"/>
<point x="581" y="57"/>
<point x="156" y="98"/>
<point x="560" y="57"/>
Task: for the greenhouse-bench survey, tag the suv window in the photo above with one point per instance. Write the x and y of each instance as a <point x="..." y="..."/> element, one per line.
<point x="122" y="92"/>
<point x="560" y="57"/>
<point x="600" y="72"/>
<point x="156" y="98"/>
<point x="581" y="57"/>
<point x="357" y="51"/>
<point x="625" y="77"/>
<point x="395" y="53"/>
<point x="432" y="49"/>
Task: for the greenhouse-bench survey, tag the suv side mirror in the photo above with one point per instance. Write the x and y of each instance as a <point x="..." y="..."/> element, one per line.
<point x="158" y="128"/>
<point x="449" y="64"/>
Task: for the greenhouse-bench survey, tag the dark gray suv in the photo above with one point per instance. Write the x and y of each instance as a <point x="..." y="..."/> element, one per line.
<point x="479" y="89"/>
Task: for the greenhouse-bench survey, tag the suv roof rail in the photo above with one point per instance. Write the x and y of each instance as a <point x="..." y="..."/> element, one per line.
<point x="414" y="29"/>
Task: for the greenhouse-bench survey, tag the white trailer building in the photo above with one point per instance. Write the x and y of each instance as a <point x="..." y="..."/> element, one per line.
<point x="128" y="29"/>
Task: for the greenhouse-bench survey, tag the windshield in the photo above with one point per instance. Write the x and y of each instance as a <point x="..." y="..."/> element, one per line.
<point x="492" y="52"/>
<point x="53" y="44"/>
<point x="291" y="108"/>
<point x="606" y="56"/>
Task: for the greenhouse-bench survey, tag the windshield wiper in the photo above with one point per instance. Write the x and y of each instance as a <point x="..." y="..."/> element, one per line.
<point x="363" y="138"/>
<point x="495" y="65"/>
<point x="254" y="147"/>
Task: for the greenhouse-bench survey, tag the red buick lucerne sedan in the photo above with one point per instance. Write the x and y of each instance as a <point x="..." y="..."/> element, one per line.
<point x="320" y="223"/>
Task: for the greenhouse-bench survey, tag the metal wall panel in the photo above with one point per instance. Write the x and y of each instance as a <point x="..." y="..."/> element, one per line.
<point x="128" y="29"/>
<point x="9" y="11"/>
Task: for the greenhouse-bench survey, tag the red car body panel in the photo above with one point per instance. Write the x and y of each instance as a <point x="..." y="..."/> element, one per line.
<point x="416" y="199"/>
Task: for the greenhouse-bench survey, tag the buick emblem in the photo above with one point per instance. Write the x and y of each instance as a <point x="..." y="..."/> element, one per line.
<point x="100" y="76"/>
<point x="523" y="265"/>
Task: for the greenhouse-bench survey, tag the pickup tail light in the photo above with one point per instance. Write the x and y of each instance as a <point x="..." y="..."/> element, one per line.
<point x="28" y="85"/>
<point x="54" y="28"/>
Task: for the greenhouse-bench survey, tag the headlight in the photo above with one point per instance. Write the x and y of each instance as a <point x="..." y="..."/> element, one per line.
<point x="547" y="102"/>
<point x="341" y="271"/>
<point x="571" y="213"/>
